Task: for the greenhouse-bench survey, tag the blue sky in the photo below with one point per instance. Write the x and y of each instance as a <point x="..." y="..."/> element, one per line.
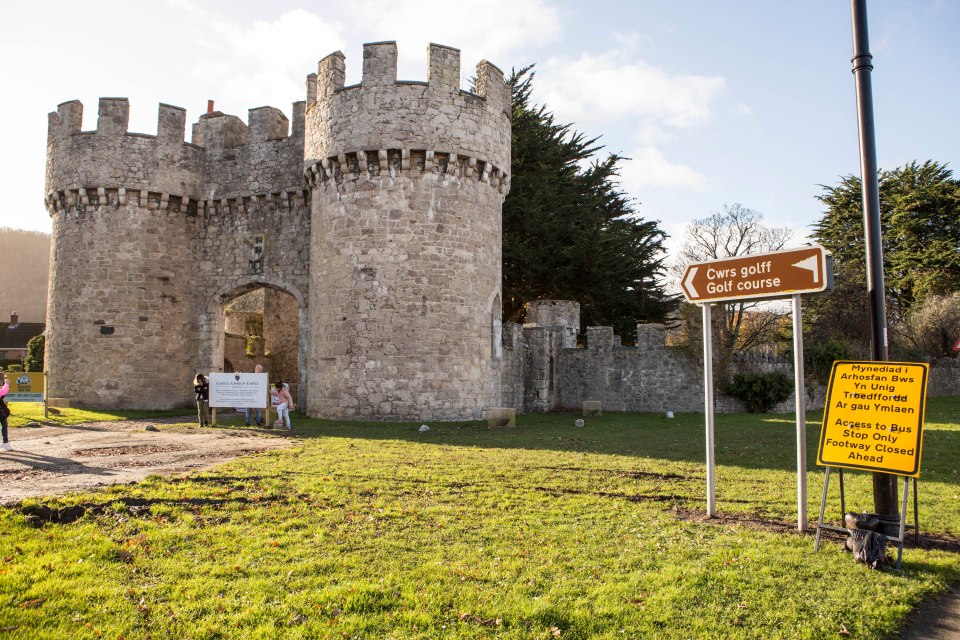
<point x="743" y="101"/>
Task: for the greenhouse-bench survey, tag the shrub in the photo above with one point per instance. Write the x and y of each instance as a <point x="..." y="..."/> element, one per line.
<point x="930" y="329"/>
<point x="34" y="359"/>
<point x="818" y="358"/>
<point x="760" y="391"/>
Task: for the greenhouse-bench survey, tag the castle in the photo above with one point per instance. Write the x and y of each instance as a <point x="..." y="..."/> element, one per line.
<point x="378" y="211"/>
<point x="372" y="224"/>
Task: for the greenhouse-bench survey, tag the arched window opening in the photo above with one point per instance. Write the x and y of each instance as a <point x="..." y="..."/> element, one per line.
<point x="496" y="328"/>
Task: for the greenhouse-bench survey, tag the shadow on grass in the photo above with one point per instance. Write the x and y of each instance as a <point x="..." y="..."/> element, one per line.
<point x="59" y="466"/>
<point x="753" y="441"/>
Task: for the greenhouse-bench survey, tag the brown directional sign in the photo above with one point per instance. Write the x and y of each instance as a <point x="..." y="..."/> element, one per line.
<point x="760" y="275"/>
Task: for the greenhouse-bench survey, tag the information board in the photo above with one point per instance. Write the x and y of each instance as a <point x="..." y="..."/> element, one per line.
<point x="25" y="386"/>
<point x="873" y="417"/>
<point x="238" y="390"/>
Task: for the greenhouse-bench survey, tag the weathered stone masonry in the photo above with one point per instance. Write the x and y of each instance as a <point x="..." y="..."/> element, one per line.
<point x="543" y="370"/>
<point x="406" y="216"/>
<point x="379" y="213"/>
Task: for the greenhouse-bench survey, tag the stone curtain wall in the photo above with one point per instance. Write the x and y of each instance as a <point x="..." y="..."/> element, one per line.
<point x="408" y="181"/>
<point x="540" y="374"/>
<point x="944" y="378"/>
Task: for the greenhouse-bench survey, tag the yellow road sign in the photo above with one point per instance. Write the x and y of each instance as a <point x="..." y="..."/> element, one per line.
<point x="25" y="387"/>
<point x="873" y="418"/>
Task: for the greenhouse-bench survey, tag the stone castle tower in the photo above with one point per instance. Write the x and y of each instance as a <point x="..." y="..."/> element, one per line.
<point x="379" y="213"/>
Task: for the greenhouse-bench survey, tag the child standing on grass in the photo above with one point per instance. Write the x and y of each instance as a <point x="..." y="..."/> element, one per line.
<point x="282" y="401"/>
<point x="4" y="412"/>
<point x="202" y="388"/>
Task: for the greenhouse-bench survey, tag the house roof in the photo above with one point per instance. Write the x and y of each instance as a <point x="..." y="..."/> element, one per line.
<point x="17" y="335"/>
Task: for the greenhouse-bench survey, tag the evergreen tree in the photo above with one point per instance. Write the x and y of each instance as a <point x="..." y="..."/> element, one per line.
<point x="920" y="221"/>
<point x="34" y="360"/>
<point x="569" y="232"/>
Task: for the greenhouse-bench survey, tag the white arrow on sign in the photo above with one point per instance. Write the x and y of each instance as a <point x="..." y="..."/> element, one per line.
<point x="810" y="264"/>
<point x="688" y="282"/>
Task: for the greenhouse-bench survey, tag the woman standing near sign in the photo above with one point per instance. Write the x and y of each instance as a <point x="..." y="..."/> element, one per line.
<point x="282" y="401"/>
<point x="4" y="412"/>
<point x="202" y="389"/>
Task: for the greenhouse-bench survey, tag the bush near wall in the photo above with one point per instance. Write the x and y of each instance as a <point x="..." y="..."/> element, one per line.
<point x="760" y="392"/>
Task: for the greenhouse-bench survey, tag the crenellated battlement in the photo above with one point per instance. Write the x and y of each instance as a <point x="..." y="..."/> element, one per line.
<point x="213" y="129"/>
<point x="265" y="154"/>
<point x="380" y="70"/>
<point x="111" y="157"/>
<point x="217" y="130"/>
<point x="82" y="200"/>
<point x="411" y="118"/>
<point x="113" y="116"/>
<point x="411" y="163"/>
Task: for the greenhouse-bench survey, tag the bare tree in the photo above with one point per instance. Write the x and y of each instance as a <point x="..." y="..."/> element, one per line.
<point x="735" y="231"/>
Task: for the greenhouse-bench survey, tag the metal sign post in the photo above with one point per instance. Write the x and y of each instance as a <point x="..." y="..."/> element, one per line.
<point x="708" y="407"/>
<point x="779" y="274"/>
<point x="801" y="409"/>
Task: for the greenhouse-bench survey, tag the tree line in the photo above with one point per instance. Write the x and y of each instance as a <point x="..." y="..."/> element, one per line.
<point x="570" y="232"/>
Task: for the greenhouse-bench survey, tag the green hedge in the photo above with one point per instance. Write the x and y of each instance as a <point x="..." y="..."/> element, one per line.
<point x="760" y="392"/>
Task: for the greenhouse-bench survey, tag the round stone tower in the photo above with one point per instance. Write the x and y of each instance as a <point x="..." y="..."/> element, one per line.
<point x="408" y="181"/>
<point x="121" y="326"/>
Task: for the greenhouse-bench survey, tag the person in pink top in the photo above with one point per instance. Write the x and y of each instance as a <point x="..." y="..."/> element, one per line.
<point x="282" y="401"/>
<point x="3" y="413"/>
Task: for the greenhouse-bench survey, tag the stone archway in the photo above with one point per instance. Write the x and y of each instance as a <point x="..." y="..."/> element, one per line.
<point x="258" y="322"/>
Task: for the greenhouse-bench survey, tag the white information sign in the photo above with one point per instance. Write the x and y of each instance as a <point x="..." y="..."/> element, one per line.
<point x="239" y="390"/>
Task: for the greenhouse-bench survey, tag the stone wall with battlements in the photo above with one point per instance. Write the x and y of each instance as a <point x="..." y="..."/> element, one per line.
<point x="384" y="126"/>
<point x="540" y="373"/>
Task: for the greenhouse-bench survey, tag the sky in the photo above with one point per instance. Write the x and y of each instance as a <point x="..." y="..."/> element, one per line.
<point x="715" y="103"/>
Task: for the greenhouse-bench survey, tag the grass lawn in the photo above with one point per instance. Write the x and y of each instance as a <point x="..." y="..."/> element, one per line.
<point x="546" y="530"/>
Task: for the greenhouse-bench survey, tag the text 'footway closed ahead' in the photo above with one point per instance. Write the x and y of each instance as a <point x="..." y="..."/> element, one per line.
<point x="761" y="275"/>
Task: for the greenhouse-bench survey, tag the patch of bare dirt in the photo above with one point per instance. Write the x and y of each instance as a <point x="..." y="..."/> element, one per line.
<point x="53" y="460"/>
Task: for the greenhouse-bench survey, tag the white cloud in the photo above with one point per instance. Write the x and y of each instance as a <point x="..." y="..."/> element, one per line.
<point x="648" y="168"/>
<point x="652" y="135"/>
<point x="264" y="63"/>
<point x="490" y="31"/>
<point x="611" y="86"/>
